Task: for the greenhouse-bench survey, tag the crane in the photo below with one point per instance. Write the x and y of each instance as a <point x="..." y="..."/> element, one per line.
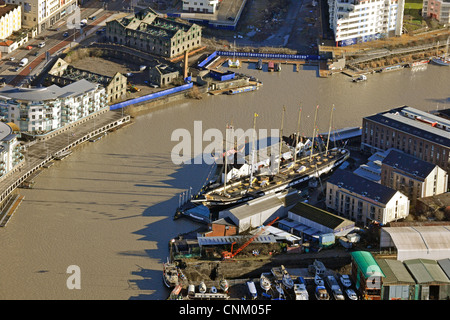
<point x="231" y="254"/>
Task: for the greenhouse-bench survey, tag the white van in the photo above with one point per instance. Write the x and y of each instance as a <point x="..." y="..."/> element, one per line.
<point x="23" y="62"/>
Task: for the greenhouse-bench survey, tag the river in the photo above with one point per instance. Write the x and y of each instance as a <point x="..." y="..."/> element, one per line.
<point x="108" y="207"/>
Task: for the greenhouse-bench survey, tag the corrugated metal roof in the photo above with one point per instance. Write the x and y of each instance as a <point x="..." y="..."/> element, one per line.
<point x="214" y="241"/>
<point x="367" y="264"/>
<point x="395" y="272"/>
<point x="445" y="266"/>
<point x="425" y="239"/>
<point x="426" y="271"/>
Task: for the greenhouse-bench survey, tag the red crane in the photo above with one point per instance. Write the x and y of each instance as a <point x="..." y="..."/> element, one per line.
<point x="229" y="255"/>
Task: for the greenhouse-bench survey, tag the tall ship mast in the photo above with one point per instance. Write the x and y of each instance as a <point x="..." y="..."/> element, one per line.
<point x="294" y="169"/>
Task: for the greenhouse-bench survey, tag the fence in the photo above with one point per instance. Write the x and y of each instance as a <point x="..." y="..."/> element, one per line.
<point x="151" y="96"/>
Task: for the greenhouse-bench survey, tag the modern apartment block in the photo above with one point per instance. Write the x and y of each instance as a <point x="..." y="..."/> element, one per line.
<point x="412" y="131"/>
<point x="364" y="201"/>
<point x="38" y="111"/>
<point x="200" y="6"/>
<point x="356" y="21"/>
<point x="411" y="176"/>
<point x="149" y="32"/>
<point x="42" y="14"/>
<point x="10" y="149"/>
<point x="10" y="19"/>
<point x="437" y="9"/>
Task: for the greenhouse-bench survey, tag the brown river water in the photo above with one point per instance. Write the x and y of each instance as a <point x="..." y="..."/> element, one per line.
<point x="108" y="207"/>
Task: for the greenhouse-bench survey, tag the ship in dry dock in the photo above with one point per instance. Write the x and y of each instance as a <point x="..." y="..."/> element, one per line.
<point x="284" y="172"/>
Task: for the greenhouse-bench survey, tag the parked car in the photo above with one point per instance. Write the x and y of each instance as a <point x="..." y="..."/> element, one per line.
<point x="12" y="59"/>
<point x="41" y="45"/>
<point x="65" y="34"/>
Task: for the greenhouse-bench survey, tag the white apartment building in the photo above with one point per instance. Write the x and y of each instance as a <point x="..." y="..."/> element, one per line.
<point x="10" y="149"/>
<point x="438" y="9"/>
<point x="364" y="201"/>
<point x="200" y="6"/>
<point x="42" y="14"/>
<point x="356" y="21"/>
<point x="42" y="110"/>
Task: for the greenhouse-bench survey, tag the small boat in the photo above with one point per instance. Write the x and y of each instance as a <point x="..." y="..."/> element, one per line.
<point x="361" y="78"/>
<point x="202" y="287"/>
<point x="345" y="280"/>
<point x="419" y="63"/>
<point x="252" y="290"/>
<point x="213" y="289"/>
<point x="62" y="155"/>
<point x="224" y="285"/>
<point x="318" y="280"/>
<point x="300" y="292"/>
<point x="392" y="68"/>
<point x="277" y="66"/>
<point x="170" y="274"/>
<point x="234" y="63"/>
<point x="259" y="64"/>
<point x="175" y="294"/>
<point x="242" y="89"/>
<point x="264" y="282"/>
<point x="286" y="279"/>
<point x="351" y="294"/>
<point x="270" y="66"/>
<point x="279" y="290"/>
<point x="319" y="267"/>
<point x="442" y="60"/>
<point x="321" y="293"/>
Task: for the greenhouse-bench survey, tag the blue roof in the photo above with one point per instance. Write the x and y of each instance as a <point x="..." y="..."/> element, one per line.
<point x="408" y="164"/>
<point x="362" y="186"/>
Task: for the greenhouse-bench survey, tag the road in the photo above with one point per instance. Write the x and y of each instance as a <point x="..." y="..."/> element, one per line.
<point x="54" y="42"/>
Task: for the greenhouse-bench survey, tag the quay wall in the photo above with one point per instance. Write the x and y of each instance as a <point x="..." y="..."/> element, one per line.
<point x="37" y="163"/>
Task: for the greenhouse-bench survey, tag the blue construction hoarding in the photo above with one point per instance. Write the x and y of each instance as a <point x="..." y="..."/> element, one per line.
<point x="151" y="96"/>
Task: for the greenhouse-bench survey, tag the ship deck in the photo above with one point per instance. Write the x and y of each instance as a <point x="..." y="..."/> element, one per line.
<point x="262" y="182"/>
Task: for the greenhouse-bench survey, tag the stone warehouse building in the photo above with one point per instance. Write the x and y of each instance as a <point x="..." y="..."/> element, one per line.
<point x="412" y="131"/>
<point x="149" y="32"/>
<point x="62" y="74"/>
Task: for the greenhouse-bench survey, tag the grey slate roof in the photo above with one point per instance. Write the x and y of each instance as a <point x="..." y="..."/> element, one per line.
<point x="362" y="186"/>
<point x="399" y="122"/>
<point x="409" y="164"/>
<point x="47" y="93"/>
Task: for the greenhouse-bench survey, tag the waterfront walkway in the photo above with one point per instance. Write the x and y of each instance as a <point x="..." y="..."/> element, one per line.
<point x="42" y="152"/>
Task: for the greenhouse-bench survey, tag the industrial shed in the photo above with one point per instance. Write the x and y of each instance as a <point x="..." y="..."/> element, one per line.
<point x="398" y="284"/>
<point x="416" y="242"/>
<point x="434" y="283"/>
<point x="306" y="219"/>
<point x="257" y="212"/>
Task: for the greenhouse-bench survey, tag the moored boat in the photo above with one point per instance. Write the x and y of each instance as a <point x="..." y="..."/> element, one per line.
<point x="442" y="60"/>
<point x="286" y="278"/>
<point x="202" y="287"/>
<point x="345" y="280"/>
<point x="259" y="64"/>
<point x="361" y="78"/>
<point x="321" y="293"/>
<point x="300" y="292"/>
<point x="264" y="282"/>
<point x="170" y="275"/>
<point x="224" y="285"/>
<point x="419" y="63"/>
<point x="242" y="89"/>
<point x="318" y="280"/>
<point x="351" y="294"/>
